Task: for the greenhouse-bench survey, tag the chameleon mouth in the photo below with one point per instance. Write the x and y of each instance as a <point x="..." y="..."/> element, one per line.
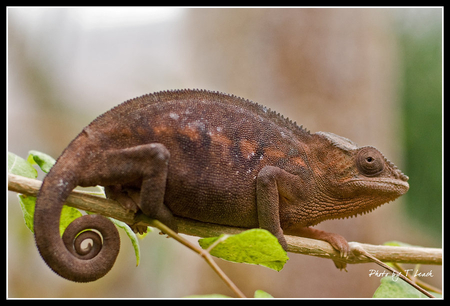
<point x="383" y="185"/>
<point x="383" y="190"/>
<point x="374" y="192"/>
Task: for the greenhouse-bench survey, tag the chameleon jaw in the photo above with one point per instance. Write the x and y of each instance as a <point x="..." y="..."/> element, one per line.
<point x="394" y="187"/>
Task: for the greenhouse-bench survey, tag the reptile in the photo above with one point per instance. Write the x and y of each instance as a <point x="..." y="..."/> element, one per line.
<point x="210" y="157"/>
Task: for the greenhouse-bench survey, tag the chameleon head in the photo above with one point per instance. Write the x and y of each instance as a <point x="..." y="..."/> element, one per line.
<point x="355" y="180"/>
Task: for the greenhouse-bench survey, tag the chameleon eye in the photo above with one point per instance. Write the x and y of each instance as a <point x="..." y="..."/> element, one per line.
<point x="369" y="161"/>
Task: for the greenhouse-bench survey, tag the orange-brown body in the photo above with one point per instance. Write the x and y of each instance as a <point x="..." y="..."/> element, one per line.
<point x="215" y="158"/>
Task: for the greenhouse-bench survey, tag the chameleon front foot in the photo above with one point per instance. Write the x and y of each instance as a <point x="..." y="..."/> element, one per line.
<point x="338" y="242"/>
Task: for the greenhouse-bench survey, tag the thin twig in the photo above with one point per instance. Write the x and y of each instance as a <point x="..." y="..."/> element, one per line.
<point x="360" y="250"/>
<point x="422" y="284"/>
<point x="203" y="253"/>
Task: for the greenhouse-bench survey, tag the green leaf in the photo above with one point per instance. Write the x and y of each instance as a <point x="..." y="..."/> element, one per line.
<point x="19" y="166"/>
<point x="27" y="204"/>
<point x="255" y="246"/>
<point x="259" y="294"/>
<point x="400" y="244"/>
<point x="133" y="237"/>
<point x="207" y="296"/>
<point x="44" y="161"/>
<point x="396" y="288"/>
<point x="68" y="214"/>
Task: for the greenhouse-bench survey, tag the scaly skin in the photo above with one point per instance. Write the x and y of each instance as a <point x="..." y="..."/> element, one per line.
<point x="210" y="157"/>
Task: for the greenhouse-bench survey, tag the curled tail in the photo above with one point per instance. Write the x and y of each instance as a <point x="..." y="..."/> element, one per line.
<point x="65" y="255"/>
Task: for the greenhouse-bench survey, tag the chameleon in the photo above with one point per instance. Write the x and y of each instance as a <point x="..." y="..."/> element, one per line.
<point x="211" y="157"/>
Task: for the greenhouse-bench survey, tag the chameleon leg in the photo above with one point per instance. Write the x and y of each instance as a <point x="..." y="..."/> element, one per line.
<point x="154" y="187"/>
<point x="275" y="184"/>
<point x="267" y="201"/>
<point x="123" y="172"/>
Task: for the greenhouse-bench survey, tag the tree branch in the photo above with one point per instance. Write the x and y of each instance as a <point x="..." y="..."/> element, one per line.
<point x="113" y="209"/>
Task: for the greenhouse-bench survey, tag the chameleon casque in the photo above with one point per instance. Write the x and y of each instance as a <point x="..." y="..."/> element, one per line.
<point x="210" y="157"/>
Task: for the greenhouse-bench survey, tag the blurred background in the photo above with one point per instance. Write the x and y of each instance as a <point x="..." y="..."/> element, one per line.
<point x="373" y="75"/>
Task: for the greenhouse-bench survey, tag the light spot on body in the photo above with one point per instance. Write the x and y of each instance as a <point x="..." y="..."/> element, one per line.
<point x="174" y="116"/>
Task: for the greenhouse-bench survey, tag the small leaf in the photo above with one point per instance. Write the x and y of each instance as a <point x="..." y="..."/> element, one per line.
<point x="207" y="296"/>
<point x="255" y="246"/>
<point x="68" y="214"/>
<point x="259" y="294"/>
<point x="400" y="244"/>
<point x="19" y="166"/>
<point x="27" y="204"/>
<point x="44" y="161"/>
<point x="390" y="288"/>
<point x="395" y="243"/>
<point x="133" y="237"/>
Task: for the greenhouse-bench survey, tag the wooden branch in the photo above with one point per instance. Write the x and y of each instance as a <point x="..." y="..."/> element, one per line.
<point x="110" y="208"/>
